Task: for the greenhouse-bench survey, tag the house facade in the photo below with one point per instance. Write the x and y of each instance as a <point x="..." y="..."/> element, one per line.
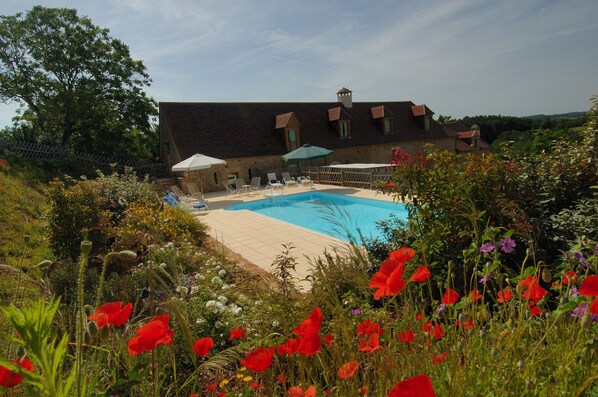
<point x="252" y="137"/>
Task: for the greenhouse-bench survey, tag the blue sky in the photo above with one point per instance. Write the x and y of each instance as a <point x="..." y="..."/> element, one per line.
<point x="459" y="57"/>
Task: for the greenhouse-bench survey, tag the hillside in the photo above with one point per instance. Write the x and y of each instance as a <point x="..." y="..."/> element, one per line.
<point x="569" y="115"/>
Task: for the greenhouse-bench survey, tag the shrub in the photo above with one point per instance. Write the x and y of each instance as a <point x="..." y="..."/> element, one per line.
<point x="146" y="223"/>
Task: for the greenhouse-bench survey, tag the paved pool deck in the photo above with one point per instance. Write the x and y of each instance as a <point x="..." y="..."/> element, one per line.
<point x="259" y="238"/>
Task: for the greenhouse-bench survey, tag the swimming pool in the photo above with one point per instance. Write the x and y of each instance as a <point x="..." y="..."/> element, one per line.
<point x="327" y="213"/>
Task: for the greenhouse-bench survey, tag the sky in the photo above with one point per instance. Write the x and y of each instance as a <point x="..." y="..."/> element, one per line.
<point x="459" y="57"/>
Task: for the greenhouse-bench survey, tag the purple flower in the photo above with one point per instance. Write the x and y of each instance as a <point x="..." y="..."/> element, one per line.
<point x="581" y="309"/>
<point x="356" y="312"/>
<point x="487" y="248"/>
<point x="507" y="245"/>
<point x="573" y="292"/>
<point x="577" y="255"/>
<point x="485" y="278"/>
<point x="596" y="249"/>
<point x="440" y="309"/>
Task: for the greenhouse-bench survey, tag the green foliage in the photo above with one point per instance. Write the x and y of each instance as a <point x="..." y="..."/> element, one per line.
<point x="73" y="208"/>
<point x="148" y="223"/>
<point x="451" y="199"/>
<point x="39" y="339"/>
<point x="79" y="87"/>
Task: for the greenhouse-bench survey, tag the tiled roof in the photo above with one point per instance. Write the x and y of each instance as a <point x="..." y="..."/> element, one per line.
<point x="466" y="134"/>
<point x="379" y="112"/>
<point x="421" y="110"/>
<point x="463" y="147"/>
<point x="234" y="130"/>
<point x="282" y="120"/>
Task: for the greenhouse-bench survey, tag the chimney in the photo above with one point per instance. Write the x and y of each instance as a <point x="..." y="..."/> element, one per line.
<point x="344" y="96"/>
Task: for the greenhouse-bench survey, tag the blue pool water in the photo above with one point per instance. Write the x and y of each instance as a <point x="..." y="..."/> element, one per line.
<point x="327" y="213"/>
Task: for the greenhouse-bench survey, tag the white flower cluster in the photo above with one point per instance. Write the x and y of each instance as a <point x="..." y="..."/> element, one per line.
<point x="182" y="290"/>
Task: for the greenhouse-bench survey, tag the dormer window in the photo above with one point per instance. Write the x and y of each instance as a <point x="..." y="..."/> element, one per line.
<point x="344" y="129"/>
<point x="292" y="138"/>
<point x="289" y="123"/>
<point x="428" y="123"/>
<point x="423" y="115"/>
<point x="384" y="118"/>
<point x="387" y="126"/>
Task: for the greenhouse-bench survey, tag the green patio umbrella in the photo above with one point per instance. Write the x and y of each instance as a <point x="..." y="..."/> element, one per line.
<point x="306" y="152"/>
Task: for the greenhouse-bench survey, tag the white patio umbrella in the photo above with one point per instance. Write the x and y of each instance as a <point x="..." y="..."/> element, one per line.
<point x="197" y="162"/>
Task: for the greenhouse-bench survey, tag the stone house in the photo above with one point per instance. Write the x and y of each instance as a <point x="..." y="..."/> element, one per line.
<point x="252" y="137"/>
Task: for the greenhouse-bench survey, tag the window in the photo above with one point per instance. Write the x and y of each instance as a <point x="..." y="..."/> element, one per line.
<point x="428" y="122"/>
<point x="292" y="141"/>
<point x="344" y="129"/>
<point x="387" y="125"/>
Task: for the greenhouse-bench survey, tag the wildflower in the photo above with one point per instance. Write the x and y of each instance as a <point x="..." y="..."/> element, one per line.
<point x="487" y="248"/>
<point x="182" y="290"/>
<point x="328" y="338"/>
<point x="422" y="273"/>
<point x="217" y="280"/>
<point x="311" y="324"/>
<point x="363" y="390"/>
<point x="581" y="310"/>
<point x="419" y="316"/>
<point x="417" y="386"/>
<point x="368" y="327"/>
<point x="9" y="378"/>
<point x="450" y="297"/>
<point x="485" y="278"/>
<point x="440" y="309"/>
<point x="289" y="347"/>
<point x="535" y="310"/>
<point x="255" y="386"/>
<point x="507" y="245"/>
<point x="434" y="330"/>
<point x="155" y="332"/>
<point x="439" y="359"/>
<point x="309" y="344"/>
<point x="202" y="346"/>
<point x="406" y="336"/>
<point x="348" y="370"/>
<point x="297" y="391"/>
<point x="389" y="279"/>
<point x="281" y="378"/>
<point x="259" y="359"/>
<point x="569" y="277"/>
<point x="238" y="333"/>
<point x="111" y="313"/>
<point x="211" y="387"/>
<point x="369" y="344"/>
<point x="468" y="324"/>
<point x="504" y="295"/>
<point x="221" y="272"/>
<point x="533" y="290"/>
<point x="474" y="295"/>
<point x="589" y="287"/>
<point x="356" y="312"/>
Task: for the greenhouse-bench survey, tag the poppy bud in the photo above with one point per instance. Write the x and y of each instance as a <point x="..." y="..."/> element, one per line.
<point x="86" y="337"/>
<point x="44" y="264"/>
<point x="84" y="233"/>
<point x="586" y="320"/>
<point x="463" y="317"/>
<point x="104" y="332"/>
<point x="127" y="255"/>
<point x="85" y="247"/>
<point x="93" y="328"/>
<point x="546" y="276"/>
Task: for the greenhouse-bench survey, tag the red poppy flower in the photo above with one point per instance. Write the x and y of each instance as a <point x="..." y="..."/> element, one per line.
<point x="529" y="280"/>
<point x="504" y="295"/>
<point x="569" y="277"/>
<point x="534" y="292"/>
<point x="535" y="310"/>
<point x="155" y="332"/>
<point x="238" y="333"/>
<point x="311" y="324"/>
<point x="202" y="346"/>
<point x="450" y="297"/>
<point x="439" y="359"/>
<point x="402" y="255"/>
<point x="348" y="370"/>
<point x="418" y="386"/>
<point x="369" y="344"/>
<point x="255" y="386"/>
<point x="297" y="391"/>
<point x="111" y="313"/>
<point x="467" y="324"/>
<point x="9" y="378"/>
<point x="419" y="316"/>
<point x="211" y="387"/>
<point x="289" y="347"/>
<point x="328" y="338"/>
<point x="406" y="336"/>
<point x="389" y="279"/>
<point x="434" y="330"/>
<point x="194" y="395"/>
<point x="281" y="378"/>
<point x="368" y="327"/>
<point x="309" y="345"/>
<point x="259" y="359"/>
<point x="589" y="286"/>
<point x="422" y="273"/>
<point x="474" y="295"/>
<point x="363" y="390"/>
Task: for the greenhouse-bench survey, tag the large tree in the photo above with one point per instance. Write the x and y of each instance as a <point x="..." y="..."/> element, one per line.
<point x="79" y="87"/>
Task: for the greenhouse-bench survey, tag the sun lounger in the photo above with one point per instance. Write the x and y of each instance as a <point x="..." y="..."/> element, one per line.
<point x="288" y="180"/>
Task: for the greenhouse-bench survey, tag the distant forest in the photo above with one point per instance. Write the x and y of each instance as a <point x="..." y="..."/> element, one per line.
<point x="525" y="135"/>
